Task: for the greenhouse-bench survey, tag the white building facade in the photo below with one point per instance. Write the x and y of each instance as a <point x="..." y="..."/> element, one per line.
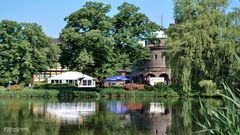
<point x="76" y="78"/>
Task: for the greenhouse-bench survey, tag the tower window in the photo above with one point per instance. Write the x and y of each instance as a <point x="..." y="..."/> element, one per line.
<point x="155" y="57"/>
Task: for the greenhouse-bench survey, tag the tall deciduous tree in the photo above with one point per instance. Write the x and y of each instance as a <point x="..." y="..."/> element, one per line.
<point x="202" y="43"/>
<point x="87" y="33"/>
<point x="129" y="27"/>
<point x="24" y="51"/>
<point x="97" y="44"/>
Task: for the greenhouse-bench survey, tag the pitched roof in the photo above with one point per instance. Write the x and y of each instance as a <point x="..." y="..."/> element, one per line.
<point x="71" y="75"/>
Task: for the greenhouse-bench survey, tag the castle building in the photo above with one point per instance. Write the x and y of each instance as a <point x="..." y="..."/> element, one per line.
<point x="156" y="67"/>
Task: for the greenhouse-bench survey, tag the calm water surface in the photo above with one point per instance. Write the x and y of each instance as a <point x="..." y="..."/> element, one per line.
<point x="100" y="117"/>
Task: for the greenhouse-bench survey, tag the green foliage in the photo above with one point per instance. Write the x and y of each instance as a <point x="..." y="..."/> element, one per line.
<point x="55" y="86"/>
<point x="109" y="121"/>
<point x="162" y="90"/>
<point x="84" y="59"/>
<point x="85" y="94"/>
<point x="209" y="87"/>
<point x="30" y="93"/>
<point x="85" y="43"/>
<point x="129" y="27"/>
<point x="98" y="45"/>
<point x="66" y="91"/>
<point x="223" y="120"/>
<point x="24" y="50"/>
<point x="202" y="43"/>
<point x="157" y="91"/>
<point x="113" y="92"/>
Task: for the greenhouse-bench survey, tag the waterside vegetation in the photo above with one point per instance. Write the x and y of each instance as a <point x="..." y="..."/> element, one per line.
<point x="69" y="91"/>
<point x="225" y="119"/>
<point x="202" y="46"/>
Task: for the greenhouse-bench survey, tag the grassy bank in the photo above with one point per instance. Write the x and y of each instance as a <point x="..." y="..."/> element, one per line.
<point x="29" y="92"/>
<point x="68" y="91"/>
<point x="121" y="93"/>
<point x="26" y="92"/>
<point x="48" y="91"/>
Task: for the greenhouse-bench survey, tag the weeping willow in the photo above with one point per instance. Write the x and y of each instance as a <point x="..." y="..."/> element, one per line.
<point x="202" y="43"/>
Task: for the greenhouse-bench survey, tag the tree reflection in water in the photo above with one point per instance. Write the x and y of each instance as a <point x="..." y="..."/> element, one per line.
<point x="107" y="117"/>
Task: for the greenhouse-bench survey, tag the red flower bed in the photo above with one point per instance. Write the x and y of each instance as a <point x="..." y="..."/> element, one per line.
<point x="133" y="86"/>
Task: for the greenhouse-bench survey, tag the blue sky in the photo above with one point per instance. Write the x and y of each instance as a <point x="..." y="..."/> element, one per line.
<point x="50" y="14"/>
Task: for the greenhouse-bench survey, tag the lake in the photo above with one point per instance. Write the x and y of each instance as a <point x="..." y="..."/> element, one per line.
<point x="101" y="117"/>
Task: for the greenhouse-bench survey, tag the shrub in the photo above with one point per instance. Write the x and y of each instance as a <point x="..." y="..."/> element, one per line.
<point x="209" y="87"/>
<point x="15" y="87"/>
<point x="162" y="90"/>
<point x="55" y="86"/>
<point x="113" y="92"/>
<point x="1" y="88"/>
<point x="85" y="94"/>
<point x="153" y="92"/>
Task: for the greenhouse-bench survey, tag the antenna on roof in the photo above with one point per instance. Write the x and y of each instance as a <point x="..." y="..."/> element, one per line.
<point x="161" y="21"/>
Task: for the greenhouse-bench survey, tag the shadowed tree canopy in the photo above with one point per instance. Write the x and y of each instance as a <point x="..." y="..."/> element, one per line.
<point x="24" y="50"/>
<point x="98" y="45"/>
<point x="202" y="44"/>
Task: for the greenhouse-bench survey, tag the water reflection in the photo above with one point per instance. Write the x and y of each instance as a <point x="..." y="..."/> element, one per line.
<point x="122" y="107"/>
<point x="66" y="113"/>
<point x="156" y="107"/>
<point x="154" y="117"/>
<point x="116" y="107"/>
<point x="104" y="117"/>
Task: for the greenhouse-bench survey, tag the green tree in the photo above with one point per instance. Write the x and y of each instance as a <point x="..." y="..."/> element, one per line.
<point x="108" y="43"/>
<point x="87" y="33"/>
<point x="202" y="43"/>
<point x="24" y="50"/>
<point x="129" y="27"/>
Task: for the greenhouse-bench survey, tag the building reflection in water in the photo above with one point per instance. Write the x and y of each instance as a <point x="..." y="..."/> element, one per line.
<point x="156" y="107"/>
<point x="155" y="117"/>
<point x="117" y="107"/>
<point x="66" y="113"/>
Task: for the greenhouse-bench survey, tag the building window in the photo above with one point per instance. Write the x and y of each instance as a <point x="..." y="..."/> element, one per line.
<point x="155" y="57"/>
<point x="84" y="82"/>
<point x="52" y="81"/>
<point x="89" y="82"/>
<point x="146" y="42"/>
<point x="70" y="81"/>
